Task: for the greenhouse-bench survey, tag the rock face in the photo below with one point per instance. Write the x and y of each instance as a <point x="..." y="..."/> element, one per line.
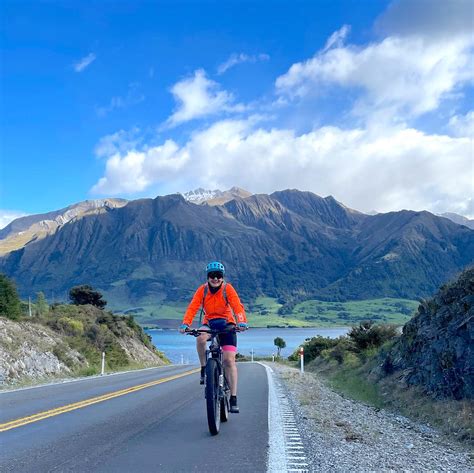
<point x="29" y="351"/>
<point x="436" y="348"/>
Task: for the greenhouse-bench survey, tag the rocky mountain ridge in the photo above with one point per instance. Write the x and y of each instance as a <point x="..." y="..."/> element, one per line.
<point x="289" y="244"/>
<point x="25" y="230"/>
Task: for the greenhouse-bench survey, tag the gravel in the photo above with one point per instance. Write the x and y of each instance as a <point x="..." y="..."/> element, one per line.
<point x="342" y="435"/>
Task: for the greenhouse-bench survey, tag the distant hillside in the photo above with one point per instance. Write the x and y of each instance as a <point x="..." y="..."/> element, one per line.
<point x="24" y="230"/>
<point x="290" y="245"/>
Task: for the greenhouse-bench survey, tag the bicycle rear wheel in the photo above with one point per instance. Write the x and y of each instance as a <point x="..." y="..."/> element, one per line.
<point x="212" y="396"/>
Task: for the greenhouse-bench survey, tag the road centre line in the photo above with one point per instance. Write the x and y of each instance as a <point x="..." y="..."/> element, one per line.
<point x="87" y="402"/>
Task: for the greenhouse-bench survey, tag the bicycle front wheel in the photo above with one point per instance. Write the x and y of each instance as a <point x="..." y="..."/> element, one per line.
<point x="212" y="396"/>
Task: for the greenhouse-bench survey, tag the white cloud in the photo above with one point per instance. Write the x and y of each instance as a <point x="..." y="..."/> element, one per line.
<point x="408" y="76"/>
<point x="133" y="97"/>
<point x="462" y="125"/>
<point x="365" y="169"/>
<point x="424" y="57"/>
<point x="84" y="62"/>
<point x="235" y="59"/>
<point x="197" y="97"/>
<point x="7" y="216"/>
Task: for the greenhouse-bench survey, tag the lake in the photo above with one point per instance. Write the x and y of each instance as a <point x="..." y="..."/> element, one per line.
<point x="182" y="348"/>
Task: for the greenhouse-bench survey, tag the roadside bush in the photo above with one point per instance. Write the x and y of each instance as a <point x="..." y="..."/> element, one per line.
<point x="313" y="348"/>
<point x="368" y="335"/>
<point x="70" y="326"/>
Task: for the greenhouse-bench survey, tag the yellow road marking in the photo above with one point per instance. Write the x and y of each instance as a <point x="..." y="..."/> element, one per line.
<point x="13" y="424"/>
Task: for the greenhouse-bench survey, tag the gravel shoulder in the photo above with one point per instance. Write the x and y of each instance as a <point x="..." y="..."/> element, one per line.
<point x="342" y="435"/>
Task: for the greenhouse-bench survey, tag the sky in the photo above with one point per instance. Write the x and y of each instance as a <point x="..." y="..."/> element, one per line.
<point x="367" y="101"/>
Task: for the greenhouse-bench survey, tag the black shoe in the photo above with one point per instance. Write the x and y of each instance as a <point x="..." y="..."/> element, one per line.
<point x="201" y="379"/>
<point x="234" y="408"/>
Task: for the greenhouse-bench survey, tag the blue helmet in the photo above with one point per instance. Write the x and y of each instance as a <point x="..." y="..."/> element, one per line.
<point x="215" y="266"/>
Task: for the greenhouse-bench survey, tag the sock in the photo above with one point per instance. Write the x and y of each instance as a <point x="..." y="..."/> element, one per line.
<point x="233" y="399"/>
<point x="203" y="369"/>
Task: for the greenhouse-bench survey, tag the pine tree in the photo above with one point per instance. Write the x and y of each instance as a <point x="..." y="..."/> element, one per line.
<point x="9" y="300"/>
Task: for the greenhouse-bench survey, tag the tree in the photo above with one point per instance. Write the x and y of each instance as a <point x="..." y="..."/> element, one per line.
<point x="279" y="343"/>
<point x="42" y="307"/>
<point x="9" y="300"/>
<point x="85" y="294"/>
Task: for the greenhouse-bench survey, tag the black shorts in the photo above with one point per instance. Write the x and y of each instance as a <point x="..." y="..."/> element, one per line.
<point x="228" y="339"/>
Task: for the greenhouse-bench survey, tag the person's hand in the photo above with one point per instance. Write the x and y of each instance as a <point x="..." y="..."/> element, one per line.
<point x="183" y="328"/>
<point x="242" y="326"/>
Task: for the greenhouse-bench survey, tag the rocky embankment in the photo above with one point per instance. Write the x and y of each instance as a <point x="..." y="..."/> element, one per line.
<point x="436" y="348"/>
<point x="343" y="435"/>
<point x="65" y="346"/>
<point x="27" y="352"/>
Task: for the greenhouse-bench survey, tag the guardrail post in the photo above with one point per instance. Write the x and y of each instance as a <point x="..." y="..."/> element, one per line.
<point x="301" y="360"/>
<point x="102" y="371"/>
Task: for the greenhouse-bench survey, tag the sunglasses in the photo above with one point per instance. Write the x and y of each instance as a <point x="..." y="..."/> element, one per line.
<point x="215" y="274"/>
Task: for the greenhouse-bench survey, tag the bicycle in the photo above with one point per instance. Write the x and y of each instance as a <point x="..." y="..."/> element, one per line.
<point x="217" y="390"/>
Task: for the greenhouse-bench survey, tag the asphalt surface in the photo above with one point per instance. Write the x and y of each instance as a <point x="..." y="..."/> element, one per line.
<point x="162" y="428"/>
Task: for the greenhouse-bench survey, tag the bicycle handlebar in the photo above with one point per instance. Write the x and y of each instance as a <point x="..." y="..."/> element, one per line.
<point x="197" y="331"/>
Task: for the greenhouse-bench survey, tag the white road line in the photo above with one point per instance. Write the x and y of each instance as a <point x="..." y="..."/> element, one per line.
<point x="286" y="450"/>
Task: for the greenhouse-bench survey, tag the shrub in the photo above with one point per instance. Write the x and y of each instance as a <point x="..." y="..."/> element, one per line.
<point x="367" y="335"/>
<point x="70" y="326"/>
<point x="313" y="348"/>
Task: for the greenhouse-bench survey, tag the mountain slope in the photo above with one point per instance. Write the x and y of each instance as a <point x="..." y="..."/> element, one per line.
<point x="289" y="244"/>
<point x="24" y="230"/>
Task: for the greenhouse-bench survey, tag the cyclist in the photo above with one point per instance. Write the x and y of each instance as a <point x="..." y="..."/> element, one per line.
<point x="218" y="299"/>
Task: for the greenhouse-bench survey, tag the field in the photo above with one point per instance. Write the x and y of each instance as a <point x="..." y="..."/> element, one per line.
<point x="263" y="312"/>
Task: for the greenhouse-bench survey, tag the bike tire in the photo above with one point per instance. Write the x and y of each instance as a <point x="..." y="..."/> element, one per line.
<point x="212" y="396"/>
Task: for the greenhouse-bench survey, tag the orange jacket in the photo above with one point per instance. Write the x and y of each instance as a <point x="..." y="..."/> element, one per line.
<point x="215" y="306"/>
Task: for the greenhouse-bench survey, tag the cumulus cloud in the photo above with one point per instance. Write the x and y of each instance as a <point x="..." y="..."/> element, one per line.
<point x="84" y="62"/>
<point x="7" y="216"/>
<point x="425" y="57"/>
<point x="133" y="97"/>
<point x="197" y="97"/>
<point x="235" y="59"/>
<point x="400" y="168"/>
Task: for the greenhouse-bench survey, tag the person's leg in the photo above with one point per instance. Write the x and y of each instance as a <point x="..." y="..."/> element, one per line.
<point x="230" y="368"/>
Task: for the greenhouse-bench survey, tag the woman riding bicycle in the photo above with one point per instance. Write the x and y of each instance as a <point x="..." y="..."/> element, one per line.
<point x="218" y="299"/>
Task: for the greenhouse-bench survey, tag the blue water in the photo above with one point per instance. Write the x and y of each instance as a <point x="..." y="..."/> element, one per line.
<point x="178" y="347"/>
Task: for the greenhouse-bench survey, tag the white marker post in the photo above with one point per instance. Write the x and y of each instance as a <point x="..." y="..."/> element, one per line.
<point x="102" y="371"/>
<point x="182" y="359"/>
<point x="273" y="357"/>
<point x="251" y="354"/>
<point x="301" y="360"/>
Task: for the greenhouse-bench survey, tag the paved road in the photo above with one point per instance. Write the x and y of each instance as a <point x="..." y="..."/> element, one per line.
<point x="159" y="428"/>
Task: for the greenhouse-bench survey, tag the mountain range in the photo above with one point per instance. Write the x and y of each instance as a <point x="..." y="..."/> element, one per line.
<point x="292" y="245"/>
